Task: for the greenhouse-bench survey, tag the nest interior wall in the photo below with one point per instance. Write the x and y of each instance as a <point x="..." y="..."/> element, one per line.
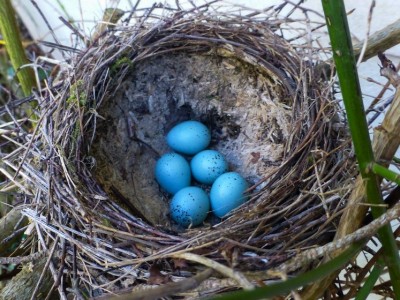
<point x="250" y="125"/>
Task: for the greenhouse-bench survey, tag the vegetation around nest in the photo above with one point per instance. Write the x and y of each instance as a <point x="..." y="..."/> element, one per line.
<point x="104" y="247"/>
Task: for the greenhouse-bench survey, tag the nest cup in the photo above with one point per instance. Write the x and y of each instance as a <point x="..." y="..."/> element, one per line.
<point x="271" y="113"/>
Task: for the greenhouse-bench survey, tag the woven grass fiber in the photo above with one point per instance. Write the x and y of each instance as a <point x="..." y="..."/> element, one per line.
<point x="86" y="172"/>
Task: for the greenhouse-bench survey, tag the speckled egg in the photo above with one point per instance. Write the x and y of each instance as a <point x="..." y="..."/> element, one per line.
<point x="227" y="193"/>
<point x="172" y="172"/>
<point x="190" y="206"/>
<point x="189" y="137"/>
<point x="208" y="165"/>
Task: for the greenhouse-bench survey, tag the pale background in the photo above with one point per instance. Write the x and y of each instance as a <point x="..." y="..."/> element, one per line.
<point x="87" y="13"/>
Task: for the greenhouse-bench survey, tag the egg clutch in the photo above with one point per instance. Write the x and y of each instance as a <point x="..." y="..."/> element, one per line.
<point x="190" y="203"/>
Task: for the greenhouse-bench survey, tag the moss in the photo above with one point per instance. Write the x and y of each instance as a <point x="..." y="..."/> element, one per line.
<point x="120" y="63"/>
<point x="76" y="132"/>
<point x="106" y="222"/>
<point x="24" y="283"/>
<point x="77" y="96"/>
<point x="74" y="137"/>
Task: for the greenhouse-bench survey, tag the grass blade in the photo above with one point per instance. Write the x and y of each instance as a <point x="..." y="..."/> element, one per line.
<point x="369" y="284"/>
<point x="15" y="50"/>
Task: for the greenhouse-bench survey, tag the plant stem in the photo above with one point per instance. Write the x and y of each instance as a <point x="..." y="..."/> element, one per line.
<point x="343" y="56"/>
<point x="282" y="288"/>
<point x="385" y="173"/>
<point x="10" y="32"/>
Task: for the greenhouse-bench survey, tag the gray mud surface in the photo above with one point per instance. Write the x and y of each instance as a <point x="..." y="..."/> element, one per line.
<point x="248" y="123"/>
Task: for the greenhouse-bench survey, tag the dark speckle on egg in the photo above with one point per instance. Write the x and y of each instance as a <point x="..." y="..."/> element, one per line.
<point x="207" y="165"/>
<point x="193" y="204"/>
<point x="227" y="193"/>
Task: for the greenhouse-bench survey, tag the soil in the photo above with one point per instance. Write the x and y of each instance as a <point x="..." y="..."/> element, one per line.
<point x="248" y="122"/>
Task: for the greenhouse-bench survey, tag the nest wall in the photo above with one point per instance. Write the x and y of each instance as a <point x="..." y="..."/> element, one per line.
<point x="293" y="204"/>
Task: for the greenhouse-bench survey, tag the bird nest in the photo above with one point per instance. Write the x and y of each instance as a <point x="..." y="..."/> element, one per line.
<point x="87" y="169"/>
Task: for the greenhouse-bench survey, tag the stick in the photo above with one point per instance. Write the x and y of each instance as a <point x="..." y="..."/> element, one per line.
<point x="228" y="272"/>
<point x="367" y="231"/>
<point x="164" y="290"/>
<point x="380" y="41"/>
<point x="17" y="260"/>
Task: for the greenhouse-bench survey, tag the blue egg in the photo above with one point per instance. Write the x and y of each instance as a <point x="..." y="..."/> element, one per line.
<point x="227" y="193"/>
<point x="172" y="172"/>
<point x="207" y="166"/>
<point x="189" y="137"/>
<point x="190" y="206"/>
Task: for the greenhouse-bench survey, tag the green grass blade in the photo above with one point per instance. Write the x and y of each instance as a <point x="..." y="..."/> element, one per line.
<point x="291" y="284"/>
<point x="10" y="32"/>
<point x="342" y="49"/>
<point x="369" y="284"/>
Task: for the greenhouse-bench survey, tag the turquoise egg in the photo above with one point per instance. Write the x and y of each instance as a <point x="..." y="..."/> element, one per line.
<point x="172" y="172"/>
<point x="190" y="206"/>
<point x="227" y="193"/>
<point x="207" y="166"/>
<point x="189" y="137"/>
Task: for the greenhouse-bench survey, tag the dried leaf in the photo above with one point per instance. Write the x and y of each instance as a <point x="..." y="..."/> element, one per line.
<point x="156" y="277"/>
<point x="179" y="264"/>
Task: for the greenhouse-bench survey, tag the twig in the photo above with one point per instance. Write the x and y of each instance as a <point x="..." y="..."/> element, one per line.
<point x="72" y="28"/>
<point x="17" y="260"/>
<point x="165" y="290"/>
<point x="239" y="277"/>
<point x="380" y="95"/>
<point x="380" y="109"/>
<point x="48" y="25"/>
<point x="53" y="270"/>
<point x="363" y="273"/>
<point x="46" y="266"/>
<point x="60" y="271"/>
<point x="388" y="70"/>
<point x="111" y="16"/>
<point x="365" y="44"/>
<point x="365" y="232"/>
<point x="380" y="41"/>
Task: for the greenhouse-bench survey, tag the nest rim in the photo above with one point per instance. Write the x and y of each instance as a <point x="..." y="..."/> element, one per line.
<point x="77" y="193"/>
